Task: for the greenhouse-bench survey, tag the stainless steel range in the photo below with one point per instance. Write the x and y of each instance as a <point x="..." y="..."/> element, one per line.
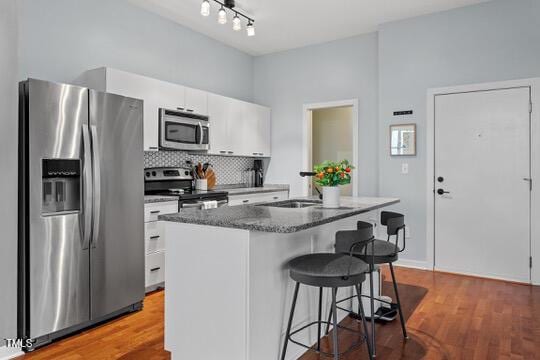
<point x="178" y="182"/>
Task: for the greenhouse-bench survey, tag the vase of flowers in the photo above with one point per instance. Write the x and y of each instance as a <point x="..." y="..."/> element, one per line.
<point x="329" y="176"/>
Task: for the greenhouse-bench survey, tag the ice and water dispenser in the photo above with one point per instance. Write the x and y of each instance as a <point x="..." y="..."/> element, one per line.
<point x="61" y="186"/>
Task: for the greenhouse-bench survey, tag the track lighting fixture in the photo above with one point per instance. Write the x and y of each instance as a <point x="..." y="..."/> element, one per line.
<point x="222" y="15"/>
<point x="236" y="23"/>
<point x="250" y="29"/>
<point x="205" y="8"/>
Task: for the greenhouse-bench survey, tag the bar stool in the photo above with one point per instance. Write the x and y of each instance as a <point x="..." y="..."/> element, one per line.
<point x="327" y="270"/>
<point x="385" y="252"/>
<point x="346" y="246"/>
<point x="379" y="252"/>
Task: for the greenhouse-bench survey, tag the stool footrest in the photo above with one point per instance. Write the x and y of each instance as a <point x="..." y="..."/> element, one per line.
<point x="362" y="338"/>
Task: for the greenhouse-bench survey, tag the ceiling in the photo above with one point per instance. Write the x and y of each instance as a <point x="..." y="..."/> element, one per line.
<point x="287" y="24"/>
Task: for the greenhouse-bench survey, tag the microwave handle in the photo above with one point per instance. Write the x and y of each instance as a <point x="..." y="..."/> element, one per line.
<point x="200" y="133"/>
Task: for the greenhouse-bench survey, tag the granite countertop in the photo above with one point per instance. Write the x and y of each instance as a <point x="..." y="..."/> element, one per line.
<point x="241" y="190"/>
<point x="149" y="199"/>
<point x="275" y="219"/>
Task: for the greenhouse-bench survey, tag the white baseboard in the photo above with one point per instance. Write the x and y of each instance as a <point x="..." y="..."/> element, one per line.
<point x="415" y="264"/>
<point x="9" y="353"/>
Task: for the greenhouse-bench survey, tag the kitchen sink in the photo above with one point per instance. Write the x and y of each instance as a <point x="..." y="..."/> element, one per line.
<point x="293" y="204"/>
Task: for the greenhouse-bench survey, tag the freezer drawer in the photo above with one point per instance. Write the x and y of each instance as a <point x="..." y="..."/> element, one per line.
<point x="155" y="268"/>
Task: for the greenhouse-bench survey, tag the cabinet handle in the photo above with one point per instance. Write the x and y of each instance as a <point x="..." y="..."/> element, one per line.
<point x="276" y="197"/>
<point x="222" y="151"/>
<point x="255" y="153"/>
<point x="155" y="212"/>
<point x="153" y="147"/>
<point x="190" y="110"/>
<point x="180" y="108"/>
<point x="155" y="237"/>
<point x="245" y="201"/>
<point x="230" y="152"/>
<point x="155" y="269"/>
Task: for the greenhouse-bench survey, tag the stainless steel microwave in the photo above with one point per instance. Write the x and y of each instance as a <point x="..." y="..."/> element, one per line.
<point x="180" y="130"/>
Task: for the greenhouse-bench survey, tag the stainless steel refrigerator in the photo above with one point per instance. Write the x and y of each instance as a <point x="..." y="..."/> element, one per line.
<point x="81" y="209"/>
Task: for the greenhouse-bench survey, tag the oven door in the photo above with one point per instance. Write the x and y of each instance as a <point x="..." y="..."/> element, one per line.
<point x="178" y="131"/>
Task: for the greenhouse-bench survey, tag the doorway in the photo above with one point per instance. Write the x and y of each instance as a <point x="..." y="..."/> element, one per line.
<point x="482" y="183"/>
<point x="331" y="133"/>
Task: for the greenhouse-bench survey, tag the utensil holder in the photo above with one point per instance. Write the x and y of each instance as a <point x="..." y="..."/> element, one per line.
<point x="201" y="184"/>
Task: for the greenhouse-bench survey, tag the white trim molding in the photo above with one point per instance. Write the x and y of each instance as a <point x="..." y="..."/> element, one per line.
<point x="534" y="85"/>
<point x="9" y="353"/>
<point x="306" y="138"/>
<point x="414" y="264"/>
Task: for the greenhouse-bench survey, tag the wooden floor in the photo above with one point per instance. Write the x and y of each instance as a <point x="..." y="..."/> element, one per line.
<point x="448" y="317"/>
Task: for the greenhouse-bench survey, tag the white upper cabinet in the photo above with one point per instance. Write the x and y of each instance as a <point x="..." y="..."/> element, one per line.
<point x="256" y="130"/>
<point x="140" y="87"/>
<point x="196" y="101"/>
<point x="236" y="127"/>
<point x="170" y="96"/>
<point x="219" y="109"/>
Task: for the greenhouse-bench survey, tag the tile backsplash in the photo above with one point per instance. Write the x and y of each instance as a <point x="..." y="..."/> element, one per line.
<point x="228" y="169"/>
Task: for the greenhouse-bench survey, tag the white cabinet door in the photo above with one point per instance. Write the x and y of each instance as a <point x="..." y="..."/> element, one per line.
<point x="170" y="96"/>
<point x="219" y="111"/>
<point x="196" y="101"/>
<point x="237" y="131"/>
<point x="256" y="130"/>
<point x="265" y="130"/>
<point x="140" y="87"/>
<point x="249" y="130"/>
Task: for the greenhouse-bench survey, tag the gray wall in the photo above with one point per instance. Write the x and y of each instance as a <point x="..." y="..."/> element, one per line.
<point x="498" y="40"/>
<point x="8" y="161"/>
<point x="343" y="69"/>
<point x="59" y="39"/>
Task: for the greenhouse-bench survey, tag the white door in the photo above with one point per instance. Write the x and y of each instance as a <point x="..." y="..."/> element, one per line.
<point x="482" y="159"/>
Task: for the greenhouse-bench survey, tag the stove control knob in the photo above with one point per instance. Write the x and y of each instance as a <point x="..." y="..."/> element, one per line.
<point x="186" y="173"/>
<point x="153" y="173"/>
<point x="147" y="174"/>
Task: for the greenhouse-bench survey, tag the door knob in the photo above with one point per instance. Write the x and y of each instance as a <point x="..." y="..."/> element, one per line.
<point x="441" y="192"/>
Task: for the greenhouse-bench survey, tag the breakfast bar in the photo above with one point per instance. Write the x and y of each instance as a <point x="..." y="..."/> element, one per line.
<point x="228" y="290"/>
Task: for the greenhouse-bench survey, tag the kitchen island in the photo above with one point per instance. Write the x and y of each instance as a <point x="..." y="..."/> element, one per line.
<point x="228" y="290"/>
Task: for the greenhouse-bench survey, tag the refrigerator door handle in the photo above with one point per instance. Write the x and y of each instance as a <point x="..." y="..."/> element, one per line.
<point x="87" y="187"/>
<point x="97" y="184"/>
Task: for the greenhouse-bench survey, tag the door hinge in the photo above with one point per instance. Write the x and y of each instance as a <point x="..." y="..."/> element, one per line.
<point x="530" y="262"/>
<point x="530" y="107"/>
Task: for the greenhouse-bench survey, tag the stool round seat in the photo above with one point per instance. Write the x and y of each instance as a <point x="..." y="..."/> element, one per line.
<point x="385" y="252"/>
<point x="328" y="270"/>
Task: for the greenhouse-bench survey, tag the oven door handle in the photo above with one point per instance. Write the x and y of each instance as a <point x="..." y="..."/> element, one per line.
<point x="192" y="205"/>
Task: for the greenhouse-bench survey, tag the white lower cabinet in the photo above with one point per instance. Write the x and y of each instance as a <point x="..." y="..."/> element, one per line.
<point x="154" y="243"/>
<point x="154" y="269"/>
<point x="259" y="198"/>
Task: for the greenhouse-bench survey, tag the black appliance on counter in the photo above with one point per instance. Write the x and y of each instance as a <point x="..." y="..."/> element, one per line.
<point x="259" y="173"/>
<point x="178" y="182"/>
